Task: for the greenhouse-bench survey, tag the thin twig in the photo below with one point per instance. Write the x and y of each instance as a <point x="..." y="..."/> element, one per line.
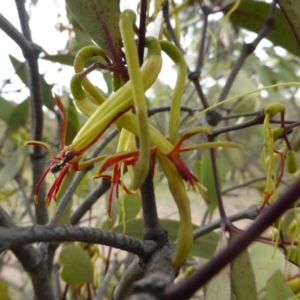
<point x="170" y="29"/>
<point x="251" y="212"/>
<point x="25" y="199"/>
<point x="114" y="265"/>
<point x="248" y="49"/>
<point x="206" y="12"/>
<point x="238" y="186"/>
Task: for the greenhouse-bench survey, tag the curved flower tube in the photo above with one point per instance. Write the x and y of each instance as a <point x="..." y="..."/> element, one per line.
<point x="143" y="163"/>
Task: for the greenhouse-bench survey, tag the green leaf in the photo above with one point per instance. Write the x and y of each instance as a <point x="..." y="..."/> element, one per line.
<point x="13" y="166"/>
<point x="132" y="206"/>
<point x="294" y="255"/>
<point x="64" y="59"/>
<point x="6" y="109"/>
<point x="205" y="175"/>
<point x="204" y="246"/>
<point x="77" y="265"/>
<point x="243" y="281"/>
<point x="100" y="19"/>
<point x="267" y="76"/>
<point x="108" y="80"/>
<point x="287" y="220"/>
<point x="18" y="117"/>
<point x="265" y="262"/>
<point x="73" y="122"/>
<point x="277" y="288"/>
<point x="19" y="68"/>
<point x="68" y="59"/>
<point x="251" y="15"/>
<point x="4" y="295"/>
<point x="235" y="158"/>
<point x="220" y="286"/>
<point x="46" y="88"/>
<point x="47" y="94"/>
<point x="291" y="11"/>
<point x="204" y="172"/>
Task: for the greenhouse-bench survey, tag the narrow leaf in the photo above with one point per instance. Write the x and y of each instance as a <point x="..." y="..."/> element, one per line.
<point x="73" y="123"/>
<point x="47" y="94"/>
<point x="243" y="281"/>
<point x="277" y="288"/>
<point x="220" y="286"/>
<point x="6" y="109"/>
<point x="204" y="172"/>
<point x="19" y="67"/>
<point x="132" y="206"/>
<point x="18" y="117"/>
<point x="13" y="166"/>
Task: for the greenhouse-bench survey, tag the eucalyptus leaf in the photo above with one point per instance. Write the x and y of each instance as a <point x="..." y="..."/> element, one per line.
<point x="243" y="280"/>
<point x="73" y="122"/>
<point x="6" y="109"/>
<point x="220" y="286"/>
<point x="277" y="288"/>
<point x="204" y="172"/>
<point x="265" y="262"/>
<point x="77" y="267"/>
<point x="20" y="69"/>
<point x="18" y="117"/>
<point x="291" y="11"/>
<point x="100" y="19"/>
<point x="13" y="166"/>
<point x="251" y="15"/>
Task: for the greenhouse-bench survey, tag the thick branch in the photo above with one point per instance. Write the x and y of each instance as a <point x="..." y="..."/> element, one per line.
<point x="152" y="227"/>
<point x="187" y="288"/>
<point x="32" y="261"/>
<point x="15" y="237"/>
<point x="28" y="48"/>
<point x="159" y="273"/>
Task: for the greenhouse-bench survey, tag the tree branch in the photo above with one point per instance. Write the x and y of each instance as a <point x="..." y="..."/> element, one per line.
<point x="248" y="49"/>
<point x="36" y="103"/>
<point x="187" y="288"/>
<point x="16" y="237"/>
<point x="32" y="260"/>
<point x="251" y="212"/>
<point x="159" y="273"/>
